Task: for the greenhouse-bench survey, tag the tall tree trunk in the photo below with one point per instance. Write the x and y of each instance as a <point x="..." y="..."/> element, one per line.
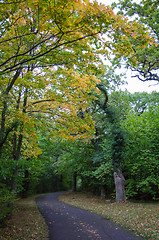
<point x="16" y="156"/>
<point x="75" y="182"/>
<point x="119" y="186"/>
<point x="61" y="183"/>
<point x="117" y="145"/>
<point x="4" y="95"/>
<point x="102" y="192"/>
<point x="17" y="143"/>
<point x="24" y="193"/>
<point x="57" y="183"/>
<point x="3" y="117"/>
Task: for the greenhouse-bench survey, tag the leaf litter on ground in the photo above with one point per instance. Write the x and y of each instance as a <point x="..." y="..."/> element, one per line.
<point x="140" y="217"/>
<point x="26" y="223"/>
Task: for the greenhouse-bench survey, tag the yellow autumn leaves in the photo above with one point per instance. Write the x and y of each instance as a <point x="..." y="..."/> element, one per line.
<point x="58" y="47"/>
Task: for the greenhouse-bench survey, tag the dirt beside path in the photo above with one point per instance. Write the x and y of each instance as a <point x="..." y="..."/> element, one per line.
<point x="70" y="223"/>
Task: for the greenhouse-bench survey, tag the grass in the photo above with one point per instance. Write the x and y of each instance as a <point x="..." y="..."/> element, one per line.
<point x="26" y="223"/>
<point x="141" y="218"/>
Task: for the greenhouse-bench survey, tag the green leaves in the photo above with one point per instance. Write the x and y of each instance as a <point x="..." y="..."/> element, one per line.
<point x="145" y="47"/>
<point x="141" y="156"/>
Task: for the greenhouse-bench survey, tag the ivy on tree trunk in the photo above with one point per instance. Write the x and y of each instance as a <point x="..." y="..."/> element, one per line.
<point x="117" y="145"/>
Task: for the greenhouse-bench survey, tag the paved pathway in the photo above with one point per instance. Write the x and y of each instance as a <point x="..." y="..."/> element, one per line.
<point x="70" y="223"/>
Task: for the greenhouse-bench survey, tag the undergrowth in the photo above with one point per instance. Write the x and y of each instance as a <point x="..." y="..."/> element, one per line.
<point x="26" y="223"/>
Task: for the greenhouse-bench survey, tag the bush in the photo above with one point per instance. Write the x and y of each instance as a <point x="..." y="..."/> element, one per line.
<point x="6" y="201"/>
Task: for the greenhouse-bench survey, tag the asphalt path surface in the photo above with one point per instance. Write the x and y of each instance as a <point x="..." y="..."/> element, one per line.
<point x="66" y="222"/>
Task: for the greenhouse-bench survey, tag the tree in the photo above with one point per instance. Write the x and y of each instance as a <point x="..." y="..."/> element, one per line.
<point x="51" y="34"/>
<point x="140" y="158"/>
<point x="49" y="58"/>
<point x="117" y="144"/>
<point x="37" y="40"/>
<point x="147" y="56"/>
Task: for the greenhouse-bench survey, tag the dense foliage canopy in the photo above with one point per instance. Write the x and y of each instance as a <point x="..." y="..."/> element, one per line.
<point x="147" y="13"/>
<point x="58" y="124"/>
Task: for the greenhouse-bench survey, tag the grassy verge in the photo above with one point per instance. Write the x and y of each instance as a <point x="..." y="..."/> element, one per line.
<point x="26" y="223"/>
<point x="142" y="218"/>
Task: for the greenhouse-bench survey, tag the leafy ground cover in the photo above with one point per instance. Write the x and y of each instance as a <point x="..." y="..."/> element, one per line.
<point x="26" y="223"/>
<point x="140" y="217"/>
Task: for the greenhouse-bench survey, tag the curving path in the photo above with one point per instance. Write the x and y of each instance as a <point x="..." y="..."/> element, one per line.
<point x="70" y="223"/>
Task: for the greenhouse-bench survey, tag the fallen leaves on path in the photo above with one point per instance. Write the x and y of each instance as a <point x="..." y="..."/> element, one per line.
<point x="142" y="218"/>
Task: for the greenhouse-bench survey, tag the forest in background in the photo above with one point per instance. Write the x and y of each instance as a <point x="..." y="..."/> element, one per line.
<point x="63" y="123"/>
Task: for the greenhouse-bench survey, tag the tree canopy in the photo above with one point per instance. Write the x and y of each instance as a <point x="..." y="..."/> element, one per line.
<point x="147" y="13"/>
<point x="54" y="89"/>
